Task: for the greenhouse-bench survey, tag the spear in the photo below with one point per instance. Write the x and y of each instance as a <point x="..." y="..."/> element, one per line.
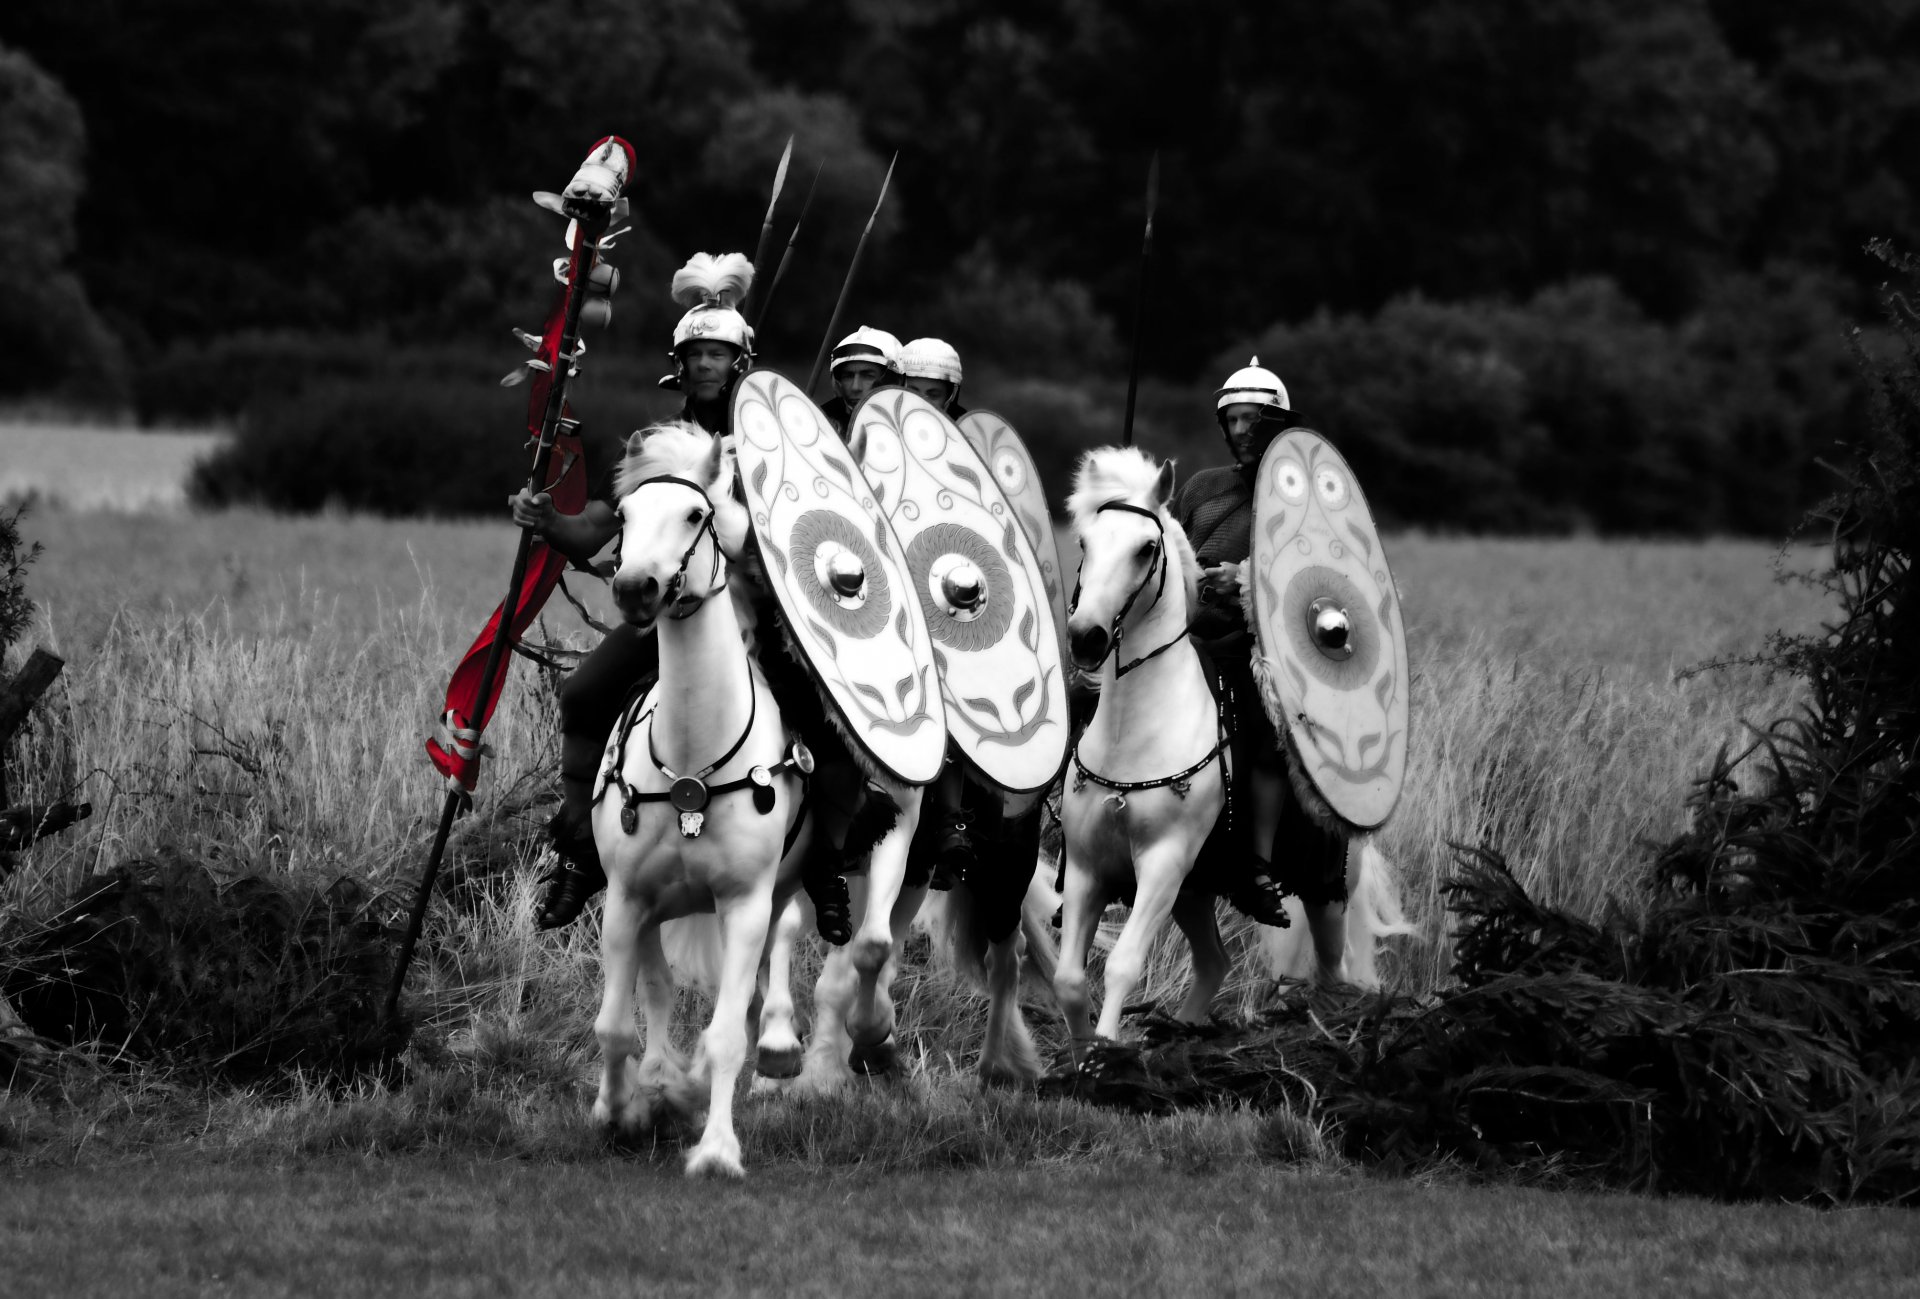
<point x="1140" y="297"/>
<point x="766" y="299"/>
<point x="853" y="269"/>
<point x="766" y="226"/>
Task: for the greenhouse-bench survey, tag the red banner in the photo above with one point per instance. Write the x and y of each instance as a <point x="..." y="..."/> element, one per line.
<point x="454" y="749"/>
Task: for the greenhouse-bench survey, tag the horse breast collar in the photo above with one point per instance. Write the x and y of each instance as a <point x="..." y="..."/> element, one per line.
<point x="691" y="794"/>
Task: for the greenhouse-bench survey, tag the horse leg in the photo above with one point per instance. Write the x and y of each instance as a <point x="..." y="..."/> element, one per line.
<point x="874" y="1050"/>
<point x="1080" y="909"/>
<point x="825" y="1069"/>
<point x="1327" y="922"/>
<point x="873" y="947"/>
<point x="777" y="1054"/>
<point x="663" y="1081"/>
<point x="1008" y="1054"/>
<point x="1194" y="912"/>
<point x="613" y="1109"/>
<point x="743" y="938"/>
<point x="1159" y="871"/>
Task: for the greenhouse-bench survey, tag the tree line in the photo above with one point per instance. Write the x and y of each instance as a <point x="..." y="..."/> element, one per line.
<point x="197" y="195"/>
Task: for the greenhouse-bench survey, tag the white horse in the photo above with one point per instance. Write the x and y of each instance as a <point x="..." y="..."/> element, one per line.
<point x="702" y="793"/>
<point x="1147" y="780"/>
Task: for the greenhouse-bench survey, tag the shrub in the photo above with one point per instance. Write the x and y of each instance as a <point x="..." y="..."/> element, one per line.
<point x="241" y="979"/>
<point x="395" y="445"/>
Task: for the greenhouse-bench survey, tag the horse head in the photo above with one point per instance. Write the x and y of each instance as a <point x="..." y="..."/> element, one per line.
<point x="1128" y="545"/>
<point x="680" y="522"/>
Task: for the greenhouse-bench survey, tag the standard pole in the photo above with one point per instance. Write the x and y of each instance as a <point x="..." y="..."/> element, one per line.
<point x="853" y="269"/>
<point x="586" y="246"/>
<point x="1140" y="299"/>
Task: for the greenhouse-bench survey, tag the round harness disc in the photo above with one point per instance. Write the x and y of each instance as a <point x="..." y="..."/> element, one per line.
<point x="688" y="794"/>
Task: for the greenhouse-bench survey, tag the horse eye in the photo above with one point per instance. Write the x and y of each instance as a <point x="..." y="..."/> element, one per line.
<point x="693" y="516"/>
<point x="1146" y="550"/>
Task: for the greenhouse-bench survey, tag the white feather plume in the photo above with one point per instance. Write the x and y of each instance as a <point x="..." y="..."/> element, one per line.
<point x="709" y="281"/>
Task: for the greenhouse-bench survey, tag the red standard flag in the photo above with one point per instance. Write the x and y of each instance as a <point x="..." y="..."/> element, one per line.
<point x="454" y="749"/>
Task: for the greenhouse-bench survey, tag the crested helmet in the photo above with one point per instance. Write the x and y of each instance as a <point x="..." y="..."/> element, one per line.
<point x="712" y="289"/>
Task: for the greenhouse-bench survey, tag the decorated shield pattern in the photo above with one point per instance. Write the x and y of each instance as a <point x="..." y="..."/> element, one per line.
<point x="979" y="584"/>
<point x="840" y="575"/>
<point x="1327" y="621"/>
<point x="1013" y="468"/>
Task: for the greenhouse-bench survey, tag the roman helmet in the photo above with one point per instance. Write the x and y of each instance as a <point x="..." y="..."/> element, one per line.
<point x="867" y="344"/>
<point x="1254" y="384"/>
<point x="932" y="358"/>
<point x="712" y="288"/>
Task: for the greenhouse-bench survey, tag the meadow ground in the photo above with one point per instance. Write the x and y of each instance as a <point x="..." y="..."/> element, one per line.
<point x="253" y="692"/>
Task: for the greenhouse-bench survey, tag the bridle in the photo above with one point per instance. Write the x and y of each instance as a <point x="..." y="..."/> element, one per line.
<point x="1117" y="628"/>
<point x="681" y="606"/>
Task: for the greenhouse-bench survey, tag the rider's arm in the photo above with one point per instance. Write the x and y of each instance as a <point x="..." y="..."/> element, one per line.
<point x="1219" y="613"/>
<point x="577" y="536"/>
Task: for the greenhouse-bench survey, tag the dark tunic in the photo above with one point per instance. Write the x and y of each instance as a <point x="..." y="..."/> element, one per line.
<point x="1215" y="509"/>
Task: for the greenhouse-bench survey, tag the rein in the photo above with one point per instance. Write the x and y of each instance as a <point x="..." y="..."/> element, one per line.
<point x="716" y="582"/>
<point x="1180" y="781"/>
<point x="1117" y="628"/>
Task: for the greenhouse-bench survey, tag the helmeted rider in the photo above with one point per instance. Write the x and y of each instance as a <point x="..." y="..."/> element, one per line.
<point x="1215" y="507"/>
<point x="712" y="348"/>
<point x="866" y="359"/>
<point x="931" y="368"/>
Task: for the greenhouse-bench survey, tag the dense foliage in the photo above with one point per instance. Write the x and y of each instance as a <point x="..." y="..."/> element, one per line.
<point x="244" y="979"/>
<point x="1757" y="1030"/>
<point x="345" y="169"/>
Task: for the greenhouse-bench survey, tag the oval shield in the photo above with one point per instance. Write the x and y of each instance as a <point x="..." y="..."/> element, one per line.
<point x="840" y="576"/>
<point x="1326" y="615"/>
<point x="979" y="586"/>
<point x="1013" y="468"/>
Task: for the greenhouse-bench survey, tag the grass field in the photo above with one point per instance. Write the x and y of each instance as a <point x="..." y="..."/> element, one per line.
<point x="253" y="692"/>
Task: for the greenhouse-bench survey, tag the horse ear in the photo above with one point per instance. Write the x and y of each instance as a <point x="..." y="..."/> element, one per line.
<point x="1163" y="487"/>
<point x="715" y="457"/>
<point x="635" y="439"/>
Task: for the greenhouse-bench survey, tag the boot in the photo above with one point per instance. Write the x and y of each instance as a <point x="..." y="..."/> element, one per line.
<point x="953" y="851"/>
<point x="827" y="889"/>
<point x="1260" y="898"/>
<point x="576" y="875"/>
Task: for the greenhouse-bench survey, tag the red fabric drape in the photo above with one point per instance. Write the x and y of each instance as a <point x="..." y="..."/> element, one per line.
<point x="567" y="483"/>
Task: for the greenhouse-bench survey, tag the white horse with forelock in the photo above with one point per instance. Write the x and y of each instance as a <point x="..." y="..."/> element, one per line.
<point x="1148" y="778"/>
<point x="702" y="800"/>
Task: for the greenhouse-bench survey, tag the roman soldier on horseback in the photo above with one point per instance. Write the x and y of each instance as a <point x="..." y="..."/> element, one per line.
<point x="712" y="348"/>
<point x="1216" y="509"/>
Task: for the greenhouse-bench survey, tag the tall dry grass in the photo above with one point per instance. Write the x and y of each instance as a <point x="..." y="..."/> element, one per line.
<point x="253" y="693"/>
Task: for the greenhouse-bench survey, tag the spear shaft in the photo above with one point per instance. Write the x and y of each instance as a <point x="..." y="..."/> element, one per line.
<point x="766" y="299"/>
<point x="766" y="226"/>
<point x="853" y="269"/>
<point x="1140" y="298"/>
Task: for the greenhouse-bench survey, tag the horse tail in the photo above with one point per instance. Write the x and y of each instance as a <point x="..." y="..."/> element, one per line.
<point x="1036" y="923"/>
<point x="953" y="921"/>
<point x="692" y="945"/>
<point x="1373" y="912"/>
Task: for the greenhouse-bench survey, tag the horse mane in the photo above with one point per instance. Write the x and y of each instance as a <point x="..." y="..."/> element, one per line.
<point x="678" y="447"/>
<point x="1131" y="475"/>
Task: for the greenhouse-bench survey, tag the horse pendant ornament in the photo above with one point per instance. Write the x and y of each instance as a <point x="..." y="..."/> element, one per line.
<point x="689" y="798"/>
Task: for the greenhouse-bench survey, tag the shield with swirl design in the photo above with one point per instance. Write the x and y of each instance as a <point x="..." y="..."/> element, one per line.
<point x="841" y="577"/>
<point x="1013" y="468"/>
<point x="978" y="584"/>
<point x="1332" y="658"/>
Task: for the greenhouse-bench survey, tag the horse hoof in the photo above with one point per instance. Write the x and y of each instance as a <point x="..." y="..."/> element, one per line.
<point x="718" y="1164"/>
<point x="876" y="1058"/>
<point x="779" y="1062"/>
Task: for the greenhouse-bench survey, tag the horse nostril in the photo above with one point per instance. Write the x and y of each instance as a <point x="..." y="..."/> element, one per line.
<point x="1087" y="644"/>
